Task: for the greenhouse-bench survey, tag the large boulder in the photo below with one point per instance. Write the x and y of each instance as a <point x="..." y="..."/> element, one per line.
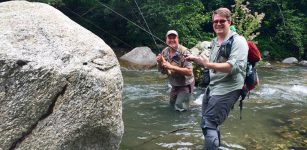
<point x="60" y="85"/>
<point x="290" y="60"/>
<point x="139" y="58"/>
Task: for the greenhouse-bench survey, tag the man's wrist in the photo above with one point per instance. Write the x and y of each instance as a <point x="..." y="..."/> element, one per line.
<point x="208" y="65"/>
<point x="172" y="67"/>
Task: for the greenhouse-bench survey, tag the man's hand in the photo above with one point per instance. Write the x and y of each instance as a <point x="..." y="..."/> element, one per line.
<point x="202" y="60"/>
<point x="190" y="58"/>
<point x="205" y="60"/>
<point x="159" y="58"/>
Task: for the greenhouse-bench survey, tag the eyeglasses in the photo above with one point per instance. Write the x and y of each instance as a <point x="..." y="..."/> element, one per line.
<point x="222" y="21"/>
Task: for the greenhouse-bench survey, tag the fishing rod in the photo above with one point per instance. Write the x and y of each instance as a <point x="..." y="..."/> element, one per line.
<point x="163" y="59"/>
<point x="134" y="23"/>
<point x="153" y="36"/>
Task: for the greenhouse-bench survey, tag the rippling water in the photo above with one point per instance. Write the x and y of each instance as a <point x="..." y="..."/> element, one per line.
<point x="274" y="116"/>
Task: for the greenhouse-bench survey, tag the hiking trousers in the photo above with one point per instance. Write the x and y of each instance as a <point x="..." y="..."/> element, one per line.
<point x="215" y="110"/>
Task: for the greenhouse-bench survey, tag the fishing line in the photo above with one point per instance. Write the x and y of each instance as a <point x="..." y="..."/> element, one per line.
<point x="146" y="23"/>
<point x="98" y="27"/>
<point x="133" y="23"/>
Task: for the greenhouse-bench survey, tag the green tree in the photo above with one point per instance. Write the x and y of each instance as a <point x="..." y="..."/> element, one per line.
<point x="293" y="28"/>
<point x="184" y="16"/>
<point x="284" y="27"/>
<point x="245" y="20"/>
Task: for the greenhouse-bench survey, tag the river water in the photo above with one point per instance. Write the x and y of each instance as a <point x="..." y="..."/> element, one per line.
<point x="274" y="116"/>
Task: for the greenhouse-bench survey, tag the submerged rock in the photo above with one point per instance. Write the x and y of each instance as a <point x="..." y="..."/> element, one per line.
<point x="264" y="64"/>
<point x="60" y="84"/>
<point x="294" y="130"/>
<point x="139" y="58"/>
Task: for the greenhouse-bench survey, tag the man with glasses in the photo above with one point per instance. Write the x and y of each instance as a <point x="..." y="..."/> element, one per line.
<point x="226" y="76"/>
<point x="179" y="71"/>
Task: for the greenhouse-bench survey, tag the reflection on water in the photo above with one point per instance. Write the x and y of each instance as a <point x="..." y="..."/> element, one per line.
<point x="274" y="116"/>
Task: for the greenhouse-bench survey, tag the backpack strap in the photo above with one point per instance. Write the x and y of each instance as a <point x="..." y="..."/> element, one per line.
<point x="225" y="49"/>
<point x="228" y="46"/>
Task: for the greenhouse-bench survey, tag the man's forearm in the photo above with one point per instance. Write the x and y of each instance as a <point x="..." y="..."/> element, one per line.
<point x="220" y="67"/>
<point x="183" y="71"/>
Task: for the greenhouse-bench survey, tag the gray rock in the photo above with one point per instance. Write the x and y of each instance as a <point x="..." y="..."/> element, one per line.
<point x="139" y="58"/>
<point x="268" y="64"/>
<point x="202" y="48"/>
<point x="195" y="51"/>
<point x="266" y="54"/>
<point x="264" y="64"/>
<point x="290" y="60"/>
<point x="60" y="85"/>
<point x="303" y="62"/>
<point x="205" y="45"/>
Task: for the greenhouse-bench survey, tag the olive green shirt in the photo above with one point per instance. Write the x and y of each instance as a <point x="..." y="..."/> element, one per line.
<point x="223" y="83"/>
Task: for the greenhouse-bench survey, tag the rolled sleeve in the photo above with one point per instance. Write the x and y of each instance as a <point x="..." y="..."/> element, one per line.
<point x="237" y="66"/>
<point x="238" y="55"/>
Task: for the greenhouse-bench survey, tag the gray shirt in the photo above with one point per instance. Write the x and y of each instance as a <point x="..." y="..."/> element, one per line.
<point x="223" y="83"/>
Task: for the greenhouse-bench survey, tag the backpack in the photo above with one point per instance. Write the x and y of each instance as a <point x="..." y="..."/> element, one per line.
<point x="251" y="79"/>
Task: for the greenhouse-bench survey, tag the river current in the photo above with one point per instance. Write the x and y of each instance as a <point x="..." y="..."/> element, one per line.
<point x="274" y="116"/>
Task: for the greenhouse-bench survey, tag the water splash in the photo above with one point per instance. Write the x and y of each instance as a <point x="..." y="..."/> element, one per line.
<point x="290" y="93"/>
<point x="199" y="99"/>
<point x="299" y="89"/>
<point x="172" y="145"/>
<point x="229" y="146"/>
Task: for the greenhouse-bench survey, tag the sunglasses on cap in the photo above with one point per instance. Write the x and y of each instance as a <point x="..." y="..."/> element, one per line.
<point x="222" y="21"/>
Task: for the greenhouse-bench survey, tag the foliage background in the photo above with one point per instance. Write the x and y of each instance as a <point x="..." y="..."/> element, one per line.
<point x="282" y="32"/>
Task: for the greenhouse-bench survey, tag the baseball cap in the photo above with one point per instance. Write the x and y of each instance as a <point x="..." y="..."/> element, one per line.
<point x="171" y="32"/>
